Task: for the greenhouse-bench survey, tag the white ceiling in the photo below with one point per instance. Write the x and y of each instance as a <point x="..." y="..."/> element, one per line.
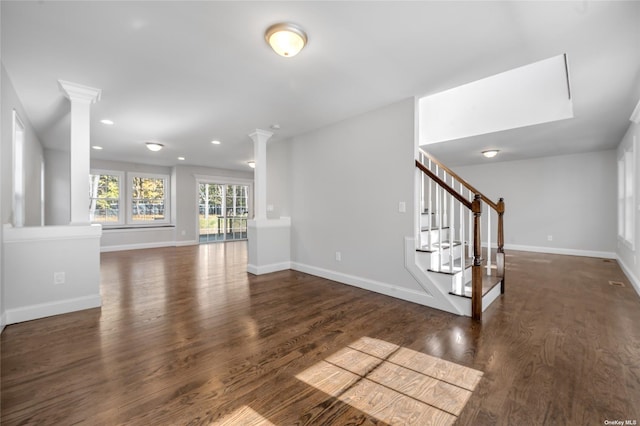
<point x="184" y="73"/>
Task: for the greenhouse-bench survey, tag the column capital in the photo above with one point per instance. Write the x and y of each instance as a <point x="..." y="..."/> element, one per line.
<point x="78" y="92"/>
<point x="260" y="135"/>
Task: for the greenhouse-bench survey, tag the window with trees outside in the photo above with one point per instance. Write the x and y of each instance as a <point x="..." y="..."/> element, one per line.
<point x="104" y="198"/>
<point x="143" y="200"/>
<point x="148" y="198"/>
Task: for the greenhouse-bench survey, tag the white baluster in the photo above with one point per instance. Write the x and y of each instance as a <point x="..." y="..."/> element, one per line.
<point x="451" y="227"/>
<point x="445" y="216"/>
<point x="440" y="202"/>
<point x="462" y="255"/>
<point x="430" y="210"/>
<point x="488" y="240"/>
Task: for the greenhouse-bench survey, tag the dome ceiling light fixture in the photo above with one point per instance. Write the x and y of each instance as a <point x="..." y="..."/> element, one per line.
<point x="154" y="146"/>
<point x="490" y="153"/>
<point x="252" y="164"/>
<point x="286" y="39"/>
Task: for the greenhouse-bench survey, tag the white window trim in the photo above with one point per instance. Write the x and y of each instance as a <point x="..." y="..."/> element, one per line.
<point x="167" y="199"/>
<point x="121" y="199"/>
<point x="18" y="190"/>
<point x="626" y="196"/>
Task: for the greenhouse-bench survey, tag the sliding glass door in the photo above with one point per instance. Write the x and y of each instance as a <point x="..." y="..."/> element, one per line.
<point x="222" y="212"/>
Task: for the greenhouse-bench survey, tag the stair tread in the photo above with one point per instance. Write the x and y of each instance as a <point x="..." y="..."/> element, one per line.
<point x="433" y="228"/>
<point x="445" y="245"/>
<point x="488" y="283"/>
<point x="456" y="267"/>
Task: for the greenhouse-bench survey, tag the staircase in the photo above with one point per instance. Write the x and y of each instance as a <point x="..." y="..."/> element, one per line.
<point x="453" y="255"/>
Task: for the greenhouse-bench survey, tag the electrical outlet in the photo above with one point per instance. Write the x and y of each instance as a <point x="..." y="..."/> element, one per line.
<point x="183" y="233"/>
<point x="270" y="207"/>
<point x="59" y="277"/>
<point x="402" y="207"/>
<point x="338" y="256"/>
<point x="549" y="237"/>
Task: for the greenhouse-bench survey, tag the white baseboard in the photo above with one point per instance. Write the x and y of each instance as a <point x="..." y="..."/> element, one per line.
<point x="630" y="275"/>
<point x="186" y="243"/>
<point x="137" y="246"/>
<point x="266" y="269"/>
<point x="364" y="283"/>
<point x="3" y="321"/>
<point x="28" y="313"/>
<point x="557" y="250"/>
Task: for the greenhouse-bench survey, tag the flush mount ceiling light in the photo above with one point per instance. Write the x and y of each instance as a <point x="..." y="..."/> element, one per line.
<point x="107" y="122"/>
<point x="181" y="158"/>
<point x="96" y="147"/>
<point x="286" y="39"/>
<point x="490" y="153"/>
<point x="252" y="164"/>
<point x="216" y="142"/>
<point x="153" y="146"/>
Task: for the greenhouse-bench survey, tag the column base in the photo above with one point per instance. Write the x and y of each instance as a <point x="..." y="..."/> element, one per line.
<point x="269" y="244"/>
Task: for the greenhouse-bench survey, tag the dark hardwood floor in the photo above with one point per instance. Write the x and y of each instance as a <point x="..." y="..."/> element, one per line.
<point x="186" y="336"/>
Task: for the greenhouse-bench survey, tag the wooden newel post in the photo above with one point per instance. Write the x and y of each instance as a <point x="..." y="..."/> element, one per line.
<point x="500" y="254"/>
<point x="476" y="271"/>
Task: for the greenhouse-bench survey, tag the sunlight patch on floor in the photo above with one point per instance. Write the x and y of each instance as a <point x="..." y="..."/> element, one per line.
<point x="244" y="416"/>
<point x="394" y="384"/>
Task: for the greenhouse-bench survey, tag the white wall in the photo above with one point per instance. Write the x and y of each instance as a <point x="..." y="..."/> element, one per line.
<point x="627" y="257"/>
<point x="346" y="182"/>
<point x="278" y="178"/>
<point x="57" y="187"/>
<point x="570" y="197"/>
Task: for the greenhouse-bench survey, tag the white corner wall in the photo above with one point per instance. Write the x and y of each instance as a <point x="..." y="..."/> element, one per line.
<point x="347" y="181"/>
<point x="33" y="159"/>
<point x="571" y="198"/>
<point x="33" y="155"/>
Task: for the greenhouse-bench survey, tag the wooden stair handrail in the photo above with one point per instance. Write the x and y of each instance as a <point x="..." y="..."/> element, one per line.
<point x="466" y="184"/>
<point x="444" y="185"/>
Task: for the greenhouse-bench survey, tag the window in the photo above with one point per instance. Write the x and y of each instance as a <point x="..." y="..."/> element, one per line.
<point x="149" y="199"/>
<point x="143" y="201"/>
<point x="626" y="201"/>
<point x="18" y="171"/>
<point x="105" y="197"/>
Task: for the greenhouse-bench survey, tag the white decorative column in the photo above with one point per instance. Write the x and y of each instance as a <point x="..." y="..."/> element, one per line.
<point x="81" y="98"/>
<point x="269" y="240"/>
<point x="260" y="138"/>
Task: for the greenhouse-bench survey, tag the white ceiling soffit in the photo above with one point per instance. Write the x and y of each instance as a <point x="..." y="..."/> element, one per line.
<point x="183" y="73"/>
<point x="533" y="94"/>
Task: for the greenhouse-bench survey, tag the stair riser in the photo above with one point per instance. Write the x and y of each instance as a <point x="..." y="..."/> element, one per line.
<point x="435" y="236"/>
<point x="434" y="257"/>
<point x="424" y="221"/>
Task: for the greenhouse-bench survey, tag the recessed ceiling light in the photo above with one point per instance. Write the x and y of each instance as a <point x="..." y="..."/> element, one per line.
<point x="252" y="164"/>
<point x="286" y="39"/>
<point x="490" y="153"/>
<point x="97" y="148"/>
<point x="216" y="142"/>
<point x="107" y="122"/>
<point x="181" y="158"/>
<point x="154" y="146"/>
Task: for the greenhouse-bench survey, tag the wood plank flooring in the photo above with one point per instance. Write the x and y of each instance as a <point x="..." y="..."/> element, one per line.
<point x="186" y="337"/>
